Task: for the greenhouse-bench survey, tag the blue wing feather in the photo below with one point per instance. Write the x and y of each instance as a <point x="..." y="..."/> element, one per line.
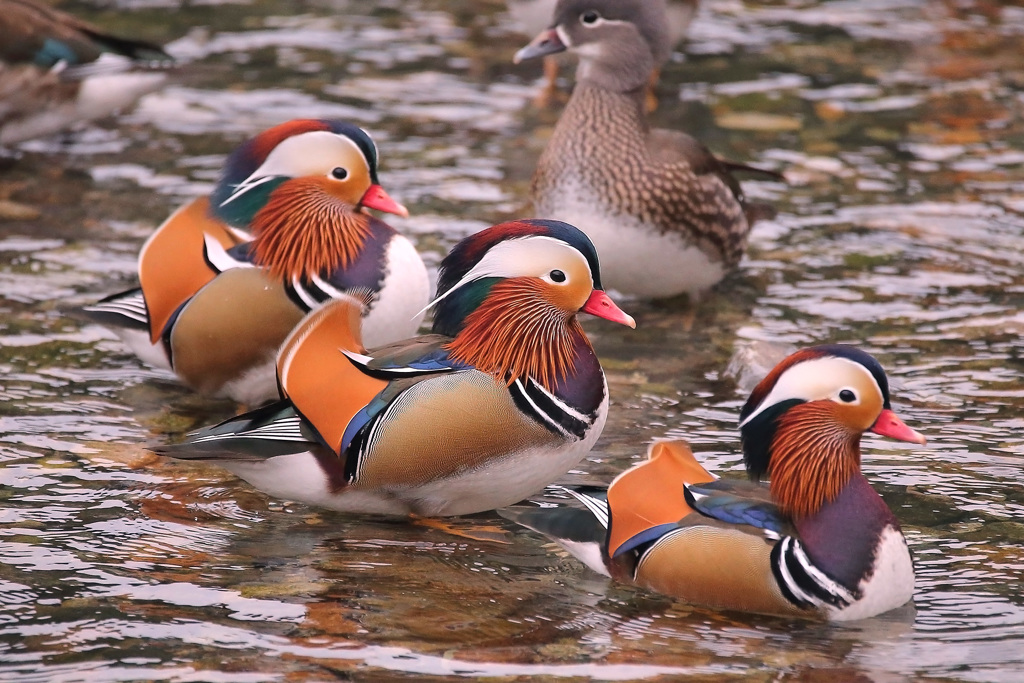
<point x="733" y="508"/>
<point x="646" y="536"/>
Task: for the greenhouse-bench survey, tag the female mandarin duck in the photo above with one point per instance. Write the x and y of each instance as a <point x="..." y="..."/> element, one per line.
<point x="817" y="541"/>
<point x="56" y="70"/>
<point x="667" y="215"/>
<point x="215" y="302"/>
<point x="505" y="395"/>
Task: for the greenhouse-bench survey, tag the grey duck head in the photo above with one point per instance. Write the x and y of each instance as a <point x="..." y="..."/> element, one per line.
<point x="619" y="42"/>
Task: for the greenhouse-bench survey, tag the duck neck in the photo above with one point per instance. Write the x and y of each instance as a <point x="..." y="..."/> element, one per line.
<point x="609" y="110"/>
<point x="626" y="69"/>
<point x="842" y="537"/>
<point x="595" y="136"/>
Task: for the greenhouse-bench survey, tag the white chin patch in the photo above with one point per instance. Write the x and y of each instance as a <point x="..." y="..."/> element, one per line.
<point x="563" y="36"/>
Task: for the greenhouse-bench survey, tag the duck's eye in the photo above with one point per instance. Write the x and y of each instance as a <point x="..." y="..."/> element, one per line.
<point x="847" y="396"/>
<point x="339" y="173"/>
<point x="589" y="18"/>
<point x="557" y="276"/>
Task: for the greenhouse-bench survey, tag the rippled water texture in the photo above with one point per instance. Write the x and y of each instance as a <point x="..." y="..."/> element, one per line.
<point x="898" y="124"/>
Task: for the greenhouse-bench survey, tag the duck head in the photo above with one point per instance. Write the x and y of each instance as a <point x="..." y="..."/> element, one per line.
<point x="509" y="296"/>
<point x="618" y="42"/>
<point x="301" y="189"/>
<point x="803" y="423"/>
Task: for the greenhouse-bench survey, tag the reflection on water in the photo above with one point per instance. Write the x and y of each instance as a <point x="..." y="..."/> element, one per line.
<point x="899" y="128"/>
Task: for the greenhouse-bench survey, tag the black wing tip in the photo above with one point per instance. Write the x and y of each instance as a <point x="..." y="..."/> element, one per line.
<point x="202" y="453"/>
<point x="142" y="51"/>
<point x="105" y="318"/>
<point x="559" y="524"/>
<point x="105" y="312"/>
<point x="241" y="437"/>
<point x="736" y="167"/>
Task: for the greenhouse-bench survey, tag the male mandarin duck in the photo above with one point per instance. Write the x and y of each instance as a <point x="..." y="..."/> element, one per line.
<point x="668" y="216"/>
<point x="676" y="15"/>
<point x="817" y="541"/>
<point x="56" y="70"/>
<point x="505" y="395"/>
<point x="216" y="302"/>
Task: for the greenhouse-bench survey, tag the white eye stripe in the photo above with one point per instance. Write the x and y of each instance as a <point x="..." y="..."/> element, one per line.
<point x="524" y="256"/>
<point x="813" y="380"/>
<point x="853" y="401"/>
<point x="556" y="277"/>
<point x="601" y="21"/>
<point x="536" y="256"/>
<point x="317" y="152"/>
<point x="563" y="36"/>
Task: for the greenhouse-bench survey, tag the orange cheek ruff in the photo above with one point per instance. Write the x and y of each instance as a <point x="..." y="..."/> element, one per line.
<point x="813" y="456"/>
<point x="303" y="231"/>
<point x="518" y="332"/>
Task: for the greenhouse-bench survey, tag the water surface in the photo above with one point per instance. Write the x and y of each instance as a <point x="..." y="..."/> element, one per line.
<point x="899" y="128"/>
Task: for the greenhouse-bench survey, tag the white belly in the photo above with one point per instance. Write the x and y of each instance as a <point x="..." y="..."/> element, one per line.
<point x="138" y="342"/>
<point x="636" y="260"/>
<point x="891" y="584"/>
<point x="97" y="96"/>
<point x="399" y="308"/>
<point x="299" y="478"/>
<point x="257" y="385"/>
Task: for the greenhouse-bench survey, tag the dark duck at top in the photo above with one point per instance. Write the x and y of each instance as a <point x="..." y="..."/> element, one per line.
<point x="505" y="396"/>
<point x="817" y="541"/>
<point x="226" y="278"/>
<point x="667" y="216"/>
<point x="57" y="70"/>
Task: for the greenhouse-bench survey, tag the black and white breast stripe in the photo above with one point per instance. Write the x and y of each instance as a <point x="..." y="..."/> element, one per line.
<point x="801" y="582"/>
<point x="549" y="410"/>
<point x="218" y="258"/>
<point x="310" y="294"/>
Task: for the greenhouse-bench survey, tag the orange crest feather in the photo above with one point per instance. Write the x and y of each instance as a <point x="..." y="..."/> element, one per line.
<point x="321" y="382"/>
<point x="651" y="493"/>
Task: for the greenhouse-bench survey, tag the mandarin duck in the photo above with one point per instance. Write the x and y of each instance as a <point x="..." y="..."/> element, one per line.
<point x="676" y="15"/>
<point x="216" y="301"/>
<point x="668" y="216"/>
<point x="816" y="541"/>
<point x="503" y="397"/>
<point x="56" y="70"/>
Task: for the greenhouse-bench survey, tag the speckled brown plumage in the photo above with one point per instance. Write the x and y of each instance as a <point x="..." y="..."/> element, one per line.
<point x="666" y="216"/>
<point x="668" y="180"/>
